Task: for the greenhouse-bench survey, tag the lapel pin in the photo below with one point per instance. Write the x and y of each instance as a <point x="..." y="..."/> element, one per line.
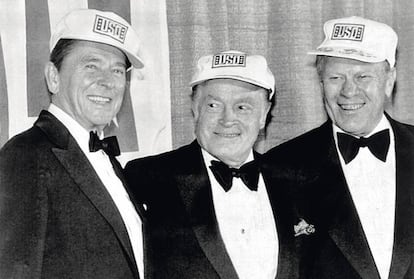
<point x="303" y="228"/>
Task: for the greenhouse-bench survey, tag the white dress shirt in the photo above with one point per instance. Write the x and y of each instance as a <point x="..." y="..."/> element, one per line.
<point x="103" y="167"/>
<point x="372" y="185"/>
<point x="246" y="225"/>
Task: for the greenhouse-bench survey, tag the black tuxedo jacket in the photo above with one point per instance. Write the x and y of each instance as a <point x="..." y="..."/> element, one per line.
<point x="57" y="219"/>
<point x="182" y="231"/>
<point x="338" y="248"/>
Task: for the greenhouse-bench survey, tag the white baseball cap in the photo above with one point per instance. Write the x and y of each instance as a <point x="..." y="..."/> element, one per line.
<point x="101" y="27"/>
<point x="360" y="39"/>
<point x="236" y="65"/>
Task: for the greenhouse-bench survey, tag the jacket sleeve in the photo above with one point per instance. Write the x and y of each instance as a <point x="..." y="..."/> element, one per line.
<point x="23" y="213"/>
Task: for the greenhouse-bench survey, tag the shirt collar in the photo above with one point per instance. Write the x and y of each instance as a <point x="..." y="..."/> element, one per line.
<point x="79" y="133"/>
<point x="382" y="125"/>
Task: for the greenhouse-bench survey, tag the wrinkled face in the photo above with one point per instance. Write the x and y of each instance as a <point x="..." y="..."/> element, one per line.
<point x="90" y="84"/>
<point x="355" y="93"/>
<point x="228" y="116"/>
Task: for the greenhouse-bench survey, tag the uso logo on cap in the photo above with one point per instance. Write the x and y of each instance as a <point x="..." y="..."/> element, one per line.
<point x="343" y="31"/>
<point x="111" y="28"/>
<point x="229" y="60"/>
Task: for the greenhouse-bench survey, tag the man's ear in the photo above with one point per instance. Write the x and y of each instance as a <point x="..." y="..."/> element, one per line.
<point x="392" y="76"/>
<point x="265" y="113"/>
<point x="194" y="109"/>
<point x="321" y="84"/>
<point x="52" y="77"/>
<point x="195" y="102"/>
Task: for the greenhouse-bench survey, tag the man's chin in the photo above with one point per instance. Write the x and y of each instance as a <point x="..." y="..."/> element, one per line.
<point x="230" y="154"/>
<point x="356" y="130"/>
<point x="100" y="125"/>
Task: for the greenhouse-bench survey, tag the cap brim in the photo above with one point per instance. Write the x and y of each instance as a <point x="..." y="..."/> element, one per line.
<point x="134" y="60"/>
<point x="254" y="82"/>
<point x="335" y="53"/>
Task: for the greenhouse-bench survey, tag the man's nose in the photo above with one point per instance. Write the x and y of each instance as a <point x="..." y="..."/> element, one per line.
<point x="349" y="88"/>
<point x="106" y="78"/>
<point x="228" y="117"/>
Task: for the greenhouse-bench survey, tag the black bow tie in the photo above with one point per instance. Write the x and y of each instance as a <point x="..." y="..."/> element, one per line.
<point x="249" y="174"/>
<point x="378" y="144"/>
<point x="109" y="145"/>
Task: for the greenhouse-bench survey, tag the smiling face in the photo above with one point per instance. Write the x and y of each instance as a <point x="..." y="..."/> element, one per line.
<point x="355" y="93"/>
<point x="228" y="116"/>
<point x="90" y="84"/>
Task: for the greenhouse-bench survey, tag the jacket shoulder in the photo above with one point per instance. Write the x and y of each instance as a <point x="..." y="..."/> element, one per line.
<point x="21" y="156"/>
<point x="24" y="144"/>
<point x="401" y="126"/>
<point x="307" y="145"/>
<point x="166" y="158"/>
<point x="160" y="166"/>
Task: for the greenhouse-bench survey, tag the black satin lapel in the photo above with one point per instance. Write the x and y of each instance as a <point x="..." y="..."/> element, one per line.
<point x="404" y="213"/>
<point x="282" y="209"/>
<point x="344" y="225"/>
<point x="347" y="233"/>
<point x="56" y="132"/>
<point x="82" y="172"/>
<point x="195" y="190"/>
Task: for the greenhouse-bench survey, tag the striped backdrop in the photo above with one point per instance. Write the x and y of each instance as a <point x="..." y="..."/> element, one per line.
<point x="25" y="27"/>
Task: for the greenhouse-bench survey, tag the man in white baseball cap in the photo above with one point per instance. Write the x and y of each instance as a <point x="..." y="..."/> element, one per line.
<point x="360" y="161"/>
<point x="235" y="65"/>
<point x="360" y="39"/>
<point x="210" y="208"/>
<point x="102" y="27"/>
<point x="65" y="211"/>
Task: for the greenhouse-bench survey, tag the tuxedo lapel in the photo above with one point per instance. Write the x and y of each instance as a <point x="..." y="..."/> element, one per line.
<point x="404" y="213"/>
<point x="344" y="226"/>
<point x="284" y="219"/>
<point x="195" y="190"/>
<point x="81" y="171"/>
<point x="346" y="231"/>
